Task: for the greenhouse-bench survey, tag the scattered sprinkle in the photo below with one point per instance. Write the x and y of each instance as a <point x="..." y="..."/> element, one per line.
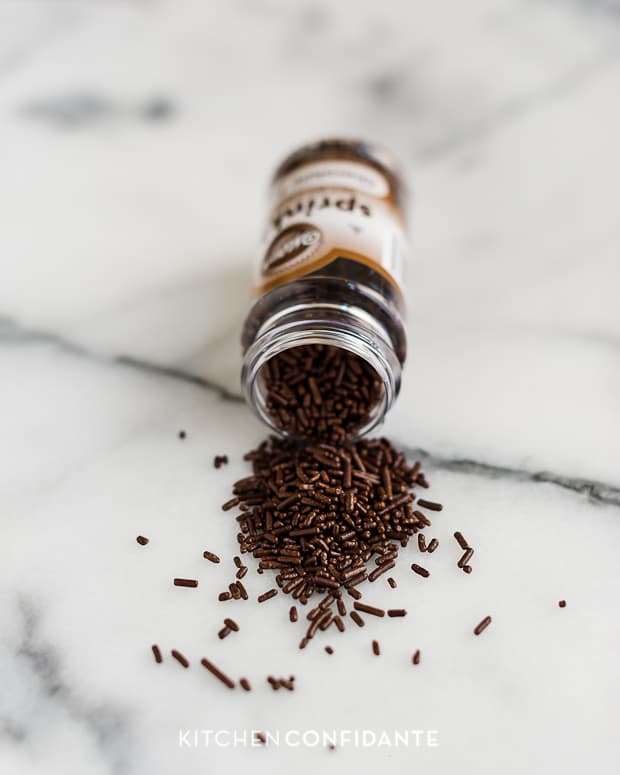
<point x="357" y="618"/>
<point x="267" y="595"/>
<point x="368" y="609"/>
<point x="217" y="673"/>
<point x="481" y="626"/>
<point x="185" y="583"/>
<point x="180" y="658"/>
<point x="461" y="540"/>
<point x="430" y="505"/>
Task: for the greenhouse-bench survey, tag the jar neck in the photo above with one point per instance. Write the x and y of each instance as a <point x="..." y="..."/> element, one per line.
<point x="349" y="329"/>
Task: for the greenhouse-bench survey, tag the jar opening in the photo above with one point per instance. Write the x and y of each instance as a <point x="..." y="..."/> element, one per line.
<point x="375" y="353"/>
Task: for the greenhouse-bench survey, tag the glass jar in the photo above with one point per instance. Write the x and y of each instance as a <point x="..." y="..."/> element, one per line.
<point x="331" y="267"/>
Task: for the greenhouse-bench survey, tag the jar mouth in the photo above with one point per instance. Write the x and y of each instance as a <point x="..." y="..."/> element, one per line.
<point x="377" y="353"/>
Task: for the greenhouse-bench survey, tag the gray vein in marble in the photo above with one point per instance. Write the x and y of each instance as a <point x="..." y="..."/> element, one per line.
<point x="12" y="729"/>
<point x="184" y="376"/>
<point x="597" y="492"/>
<point x="13" y="332"/>
<point x="57" y="23"/>
<point x="108" y="725"/>
<point x="516" y="107"/>
<point x="589" y="7"/>
<point x="83" y="109"/>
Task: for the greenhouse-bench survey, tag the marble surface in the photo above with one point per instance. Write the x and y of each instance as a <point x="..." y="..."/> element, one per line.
<point x="137" y="138"/>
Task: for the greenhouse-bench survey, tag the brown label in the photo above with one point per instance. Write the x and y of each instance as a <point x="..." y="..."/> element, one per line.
<point x="293" y="246"/>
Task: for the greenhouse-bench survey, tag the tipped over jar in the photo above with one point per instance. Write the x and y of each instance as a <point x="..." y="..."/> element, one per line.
<point x="324" y="342"/>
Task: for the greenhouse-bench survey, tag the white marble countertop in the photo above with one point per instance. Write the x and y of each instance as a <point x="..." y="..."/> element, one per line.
<point x="137" y="138"/>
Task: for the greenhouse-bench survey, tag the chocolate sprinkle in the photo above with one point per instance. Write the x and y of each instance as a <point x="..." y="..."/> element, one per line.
<point x="180" y="658"/>
<point x="368" y="609"/>
<point x="431" y="505"/>
<point x="217" y="673"/>
<point x="481" y="626"/>
<point x="267" y="595"/>
<point x="185" y="583"/>
<point x="461" y="540"/>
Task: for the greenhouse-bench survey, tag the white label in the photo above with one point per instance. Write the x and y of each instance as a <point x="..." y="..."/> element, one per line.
<point x="332" y="174"/>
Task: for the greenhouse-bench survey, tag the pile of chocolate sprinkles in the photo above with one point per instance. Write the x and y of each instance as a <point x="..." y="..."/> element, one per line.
<point x="327" y="518"/>
<point x="320" y="392"/>
<point x="324" y="513"/>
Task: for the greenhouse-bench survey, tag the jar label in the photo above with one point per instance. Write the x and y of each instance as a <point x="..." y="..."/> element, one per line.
<point x="332" y="174"/>
<point x="331" y="209"/>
